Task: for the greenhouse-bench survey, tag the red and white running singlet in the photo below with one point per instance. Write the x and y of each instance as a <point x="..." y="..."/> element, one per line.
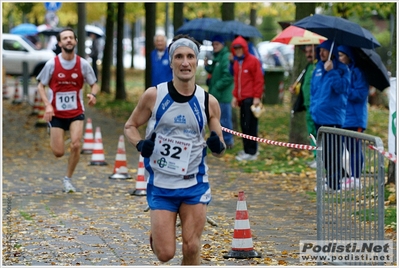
<point x="67" y="90"/>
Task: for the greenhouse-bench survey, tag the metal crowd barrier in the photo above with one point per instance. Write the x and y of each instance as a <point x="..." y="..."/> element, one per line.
<point x="357" y="211"/>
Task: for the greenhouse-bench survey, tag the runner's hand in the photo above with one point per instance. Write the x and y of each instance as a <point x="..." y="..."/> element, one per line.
<point x="147" y="146"/>
<point x="214" y="143"/>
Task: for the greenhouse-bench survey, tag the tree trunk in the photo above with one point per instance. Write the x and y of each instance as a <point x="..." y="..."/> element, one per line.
<point x="178" y="18"/>
<point x="298" y="131"/>
<point x="120" y="92"/>
<point x="108" y="49"/>
<point x="81" y="29"/>
<point x="132" y="36"/>
<point x="150" y="24"/>
<point x="227" y="10"/>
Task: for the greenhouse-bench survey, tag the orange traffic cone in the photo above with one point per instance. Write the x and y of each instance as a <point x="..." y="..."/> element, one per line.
<point x="141" y="184"/>
<point x="97" y="157"/>
<point x="120" y="167"/>
<point x="5" y="86"/>
<point x="36" y="103"/>
<point x="242" y="246"/>
<point x="88" y="141"/>
<point x="17" y="96"/>
<point x="40" y="122"/>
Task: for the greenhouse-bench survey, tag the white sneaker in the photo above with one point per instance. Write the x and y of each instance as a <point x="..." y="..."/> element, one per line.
<point x="312" y="164"/>
<point x="246" y="157"/>
<point x="351" y="184"/>
<point x="68" y="187"/>
<point x="327" y="189"/>
<point x="242" y="152"/>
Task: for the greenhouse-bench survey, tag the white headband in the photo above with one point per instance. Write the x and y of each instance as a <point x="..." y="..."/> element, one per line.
<point x="182" y="42"/>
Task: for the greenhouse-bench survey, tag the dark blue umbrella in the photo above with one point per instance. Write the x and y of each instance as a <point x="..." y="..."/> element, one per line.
<point x="196" y="28"/>
<point x="339" y="30"/>
<point x="50" y="31"/>
<point x="25" y="29"/>
<point x="230" y="29"/>
<point x="375" y="72"/>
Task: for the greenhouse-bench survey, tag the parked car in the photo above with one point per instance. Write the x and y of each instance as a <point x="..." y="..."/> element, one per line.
<point x="276" y="54"/>
<point x="206" y="51"/>
<point x="18" y="49"/>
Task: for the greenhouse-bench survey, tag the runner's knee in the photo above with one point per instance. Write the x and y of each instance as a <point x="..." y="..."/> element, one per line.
<point x="58" y="152"/>
<point x="75" y="145"/>
<point x="164" y="254"/>
<point x="191" y="247"/>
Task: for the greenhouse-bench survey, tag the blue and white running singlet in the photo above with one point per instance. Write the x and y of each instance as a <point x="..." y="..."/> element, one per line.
<point x="180" y="148"/>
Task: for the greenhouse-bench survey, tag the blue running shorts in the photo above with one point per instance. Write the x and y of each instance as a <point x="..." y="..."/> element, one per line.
<point x="171" y="199"/>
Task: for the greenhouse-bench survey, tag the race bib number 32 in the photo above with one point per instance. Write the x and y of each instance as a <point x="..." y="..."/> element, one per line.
<point x="171" y="155"/>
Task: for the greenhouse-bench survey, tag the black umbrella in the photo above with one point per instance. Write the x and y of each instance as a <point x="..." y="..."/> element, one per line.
<point x="339" y="30"/>
<point x="230" y="29"/>
<point x="375" y="72"/>
<point x="50" y="31"/>
<point x="196" y="28"/>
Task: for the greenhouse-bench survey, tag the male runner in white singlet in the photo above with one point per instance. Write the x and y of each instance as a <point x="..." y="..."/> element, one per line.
<point x="177" y="113"/>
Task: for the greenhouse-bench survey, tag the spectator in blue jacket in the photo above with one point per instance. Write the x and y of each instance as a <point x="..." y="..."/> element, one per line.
<point x="356" y="114"/>
<point x="328" y="100"/>
<point x="160" y="65"/>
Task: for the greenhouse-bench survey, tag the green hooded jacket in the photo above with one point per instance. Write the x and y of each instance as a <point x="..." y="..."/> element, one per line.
<point x="222" y="82"/>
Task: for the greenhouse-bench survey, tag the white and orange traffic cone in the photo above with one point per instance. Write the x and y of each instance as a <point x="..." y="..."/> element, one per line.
<point x="242" y="245"/>
<point x="97" y="157"/>
<point x="40" y="122"/>
<point x="141" y="183"/>
<point x="36" y="103"/>
<point x="88" y="139"/>
<point x="120" y="166"/>
<point x="5" y="86"/>
<point x="17" y="96"/>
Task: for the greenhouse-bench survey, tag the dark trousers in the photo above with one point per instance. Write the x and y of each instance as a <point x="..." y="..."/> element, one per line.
<point x="332" y="158"/>
<point x="354" y="147"/>
<point x="249" y="126"/>
<point x="94" y="66"/>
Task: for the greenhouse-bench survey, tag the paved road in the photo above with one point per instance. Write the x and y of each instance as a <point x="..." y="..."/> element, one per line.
<point x="102" y="224"/>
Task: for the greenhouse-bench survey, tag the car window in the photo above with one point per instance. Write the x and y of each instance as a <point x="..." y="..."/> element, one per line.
<point x="13" y="45"/>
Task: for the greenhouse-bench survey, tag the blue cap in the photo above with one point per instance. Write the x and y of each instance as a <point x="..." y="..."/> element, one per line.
<point x="218" y="38"/>
<point x="346" y="50"/>
<point x="326" y="44"/>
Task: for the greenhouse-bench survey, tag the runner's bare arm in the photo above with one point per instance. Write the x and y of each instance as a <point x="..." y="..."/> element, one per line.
<point x="214" y="121"/>
<point x="49" y="110"/>
<point x="140" y="115"/>
<point x="92" y="95"/>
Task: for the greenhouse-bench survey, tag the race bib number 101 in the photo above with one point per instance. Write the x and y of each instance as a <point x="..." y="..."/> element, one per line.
<point x="66" y="101"/>
<point x="171" y="155"/>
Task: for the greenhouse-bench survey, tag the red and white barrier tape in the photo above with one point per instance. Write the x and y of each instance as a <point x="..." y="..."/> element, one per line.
<point x="278" y="143"/>
<point x="390" y="156"/>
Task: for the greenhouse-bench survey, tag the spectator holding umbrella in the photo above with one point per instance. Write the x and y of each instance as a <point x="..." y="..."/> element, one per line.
<point x="328" y="100"/>
<point x="356" y="114"/>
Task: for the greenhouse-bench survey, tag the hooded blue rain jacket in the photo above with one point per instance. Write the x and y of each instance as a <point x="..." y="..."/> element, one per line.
<point x="329" y="90"/>
<point x="356" y="109"/>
